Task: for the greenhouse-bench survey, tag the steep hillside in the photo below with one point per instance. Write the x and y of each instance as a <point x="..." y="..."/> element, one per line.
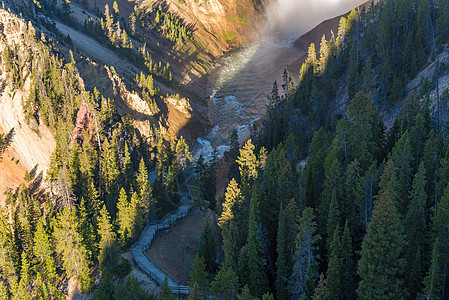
<point x="32" y="143"/>
<point x="355" y="167"/>
<point x="177" y="68"/>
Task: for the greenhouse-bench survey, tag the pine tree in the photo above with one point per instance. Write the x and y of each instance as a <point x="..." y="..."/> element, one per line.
<point x="245" y="294"/>
<point x="368" y="188"/>
<point x="433" y="282"/>
<point x="314" y="170"/>
<point x="440" y="228"/>
<point x="74" y="167"/>
<point x="165" y="292"/>
<point x="275" y="99"/>
<point x="333" y="220"/>
<point x="115" y="9"/>
<point x="199" y="276"/>
<point x="367" y="75"/>
<point x="415" y="220"/>
<point x="25" y="271"/>
<point x="352" y="196"/>
<point x="233" y="197"/>
<point x="321" y="290"/>
<point x="389" y="183"/>
<point x="111" y="174"/>
<point x="248" y="165"/>
<point x="254" y="252"/>
<point x="108" y="22"/>
<point x="363" y="133"/>
<point x="69" y="245"/>
<point x="329" y="211"/>
<point x="281" y="263"/>
<point x="9" y="260"/>
<point x="348" y="272"/>
<point x="183" y="156"/>
<point x="335" y="267"/>
<point x="128" y="170"/>
<point x="234" y="145"/>
<point x="42" y="250"/>
<point x="86" y="229"/>
<point x="136" y="211"/>
<point x="429" y="158"/>
<point x="107" y="245"/>
<point x="286" y="82"/>
<point x="312" y="58"/>
<point x="401" y="155"/>
<point x="305" y="271"/>
<point x="123" y="221"/>
<point x="286" y="234"/>
<point x="206" y="247"/>
<point x="381" y="266"/>
<point x="414" y="278"/>
<point x="132" y="23"/>
<point x="225" y="284"/>
<point x="324" y="53"/>
<point x="341" y="33"/>
<point x="127" y="216"/>
<point x="145" y="191"/>
<point x="195" y="293"/>
<point x="268" y="296"/>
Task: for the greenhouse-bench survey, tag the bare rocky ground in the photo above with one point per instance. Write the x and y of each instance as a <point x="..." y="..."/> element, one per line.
<point x="31" y="144"/>
<point x="175" y="250"/>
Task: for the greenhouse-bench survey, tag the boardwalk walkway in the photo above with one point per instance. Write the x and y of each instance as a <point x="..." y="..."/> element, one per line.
<point x="138" y="250"/>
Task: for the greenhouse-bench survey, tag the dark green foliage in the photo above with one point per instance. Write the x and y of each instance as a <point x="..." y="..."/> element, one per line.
<point x="199" y="277"/>
<point x="225" y="284"/>
<point x="207" y="249"/>
<point x="305" y="271"/>
<point x="329" y="209"/>
<point x="436" y="278"/>
<point x="165" y="292"/>
<point x="402" y="159"/>
<point x="348" y="272"/>
<point x="286" y="233"/>
<point x="314" y="170"/>
<point x="433" y="282"/>
<point x="254" y="255"/>
<point x="381" y="265"/>
<point x="129" y="289"/>
<point x="335" y="268"/>
<point x="416" y="217"/>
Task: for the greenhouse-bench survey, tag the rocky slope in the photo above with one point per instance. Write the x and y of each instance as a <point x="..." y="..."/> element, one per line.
<point x="32" y="143"/>
<point x="216" y="26"/>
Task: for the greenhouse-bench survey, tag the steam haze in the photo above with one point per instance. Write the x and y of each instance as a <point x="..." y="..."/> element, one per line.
<point x="296" y="17"/>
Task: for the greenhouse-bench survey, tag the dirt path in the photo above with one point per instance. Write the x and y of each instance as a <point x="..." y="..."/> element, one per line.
<point x="175" y="250"/>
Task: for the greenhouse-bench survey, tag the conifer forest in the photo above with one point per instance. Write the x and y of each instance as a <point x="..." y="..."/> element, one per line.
<point x="123" y="172"/>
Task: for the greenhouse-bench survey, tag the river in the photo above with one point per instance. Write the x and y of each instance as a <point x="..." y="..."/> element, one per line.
<point x="240" y="86"/>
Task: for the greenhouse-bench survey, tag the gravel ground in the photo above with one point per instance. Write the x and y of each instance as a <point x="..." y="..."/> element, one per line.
<point x="175" y="250"/>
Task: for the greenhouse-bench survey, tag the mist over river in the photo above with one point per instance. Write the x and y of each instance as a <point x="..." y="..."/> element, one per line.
<point x="240" y="86"/>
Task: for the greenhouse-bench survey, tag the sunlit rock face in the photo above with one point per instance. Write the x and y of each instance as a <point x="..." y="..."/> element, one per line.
<point x="220" y="24"/>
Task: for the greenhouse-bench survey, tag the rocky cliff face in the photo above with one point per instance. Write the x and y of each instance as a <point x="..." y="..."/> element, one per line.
<point x="32" y="144"/>
<point x="220" y="24"/>
<point x="217" y="25"/>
